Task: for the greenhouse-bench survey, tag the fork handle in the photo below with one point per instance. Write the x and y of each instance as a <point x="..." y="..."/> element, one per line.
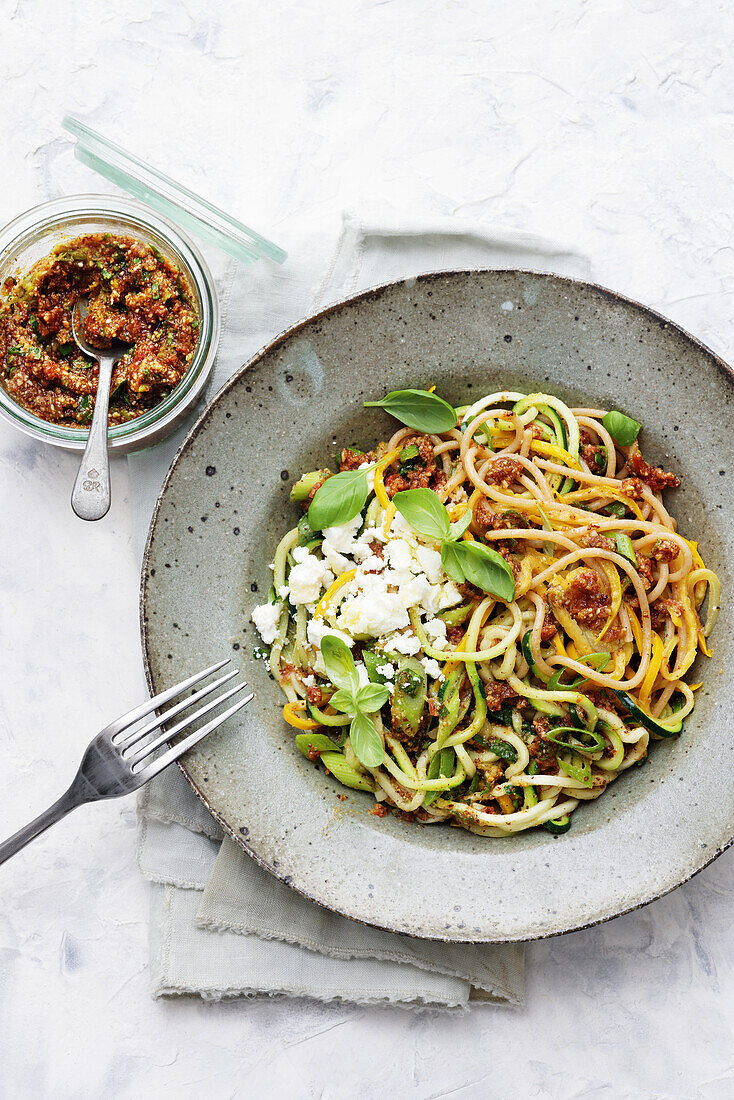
<point x="90" y="497"/>
<point x="64" y="805"/>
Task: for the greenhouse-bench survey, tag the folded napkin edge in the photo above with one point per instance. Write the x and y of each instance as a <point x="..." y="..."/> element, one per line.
<point x="499" y="990"/>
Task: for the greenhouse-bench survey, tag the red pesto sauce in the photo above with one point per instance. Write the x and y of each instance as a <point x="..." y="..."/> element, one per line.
<point x="135" y="295"/>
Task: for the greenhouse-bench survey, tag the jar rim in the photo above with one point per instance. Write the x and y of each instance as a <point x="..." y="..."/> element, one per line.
<point x="52" y="216"/>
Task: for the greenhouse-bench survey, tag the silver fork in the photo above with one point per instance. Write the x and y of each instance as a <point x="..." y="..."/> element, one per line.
<point x="115" y="761"/>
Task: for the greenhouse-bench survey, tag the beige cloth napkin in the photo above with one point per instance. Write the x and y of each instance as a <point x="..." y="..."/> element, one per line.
<point x="220" y="925"/>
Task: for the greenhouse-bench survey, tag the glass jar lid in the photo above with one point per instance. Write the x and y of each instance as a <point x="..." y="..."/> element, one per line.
<point x="169" y="198"/>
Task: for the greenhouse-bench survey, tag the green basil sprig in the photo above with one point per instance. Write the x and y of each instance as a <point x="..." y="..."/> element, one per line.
<point x="463" y="561"/>
<point x="339" y="499"/>
<point x="623" y="429"/>
<point x="481" y="566"/>
<point x="352" y="699"/>
<point x="425" y="513"/>
<point x="419" y="409"/>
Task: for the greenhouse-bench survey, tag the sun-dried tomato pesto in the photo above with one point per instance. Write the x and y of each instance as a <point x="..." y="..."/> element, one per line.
<point x="135" y="295"/>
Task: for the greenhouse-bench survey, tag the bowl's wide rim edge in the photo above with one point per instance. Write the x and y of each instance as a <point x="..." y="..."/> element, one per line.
<point x="197" y="426"/>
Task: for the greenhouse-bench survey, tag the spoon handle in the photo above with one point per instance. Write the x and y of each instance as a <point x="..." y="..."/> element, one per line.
<point x="90" y="497"/>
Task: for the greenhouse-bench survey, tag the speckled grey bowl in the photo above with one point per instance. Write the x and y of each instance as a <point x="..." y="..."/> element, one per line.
<point x="225" y="504"/>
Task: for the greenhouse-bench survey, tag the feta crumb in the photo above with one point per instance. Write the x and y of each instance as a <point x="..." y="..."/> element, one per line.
<point x="387" y="670"/>
<point x="335" y="561"/>
<point x="402" y="643"/>
<point x="400" y="557"/>
<point x="265" y="617"/>
<point x="342" y="538"/>
<point x="436" y="631"/>
<point x="430" y="562"/>
<point x="372" y="564"/>
<point x="308" y="681"/>
<point x="450" y="596"/>
<point x="316" y="628"/>
<point x="307" y="577"/>
<point x="432" y="667"/>
<point x="283" y="591"/>
<point x="372" y="610"/>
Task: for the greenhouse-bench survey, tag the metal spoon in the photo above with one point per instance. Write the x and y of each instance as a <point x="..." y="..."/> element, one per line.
<point x="90" y="497"/>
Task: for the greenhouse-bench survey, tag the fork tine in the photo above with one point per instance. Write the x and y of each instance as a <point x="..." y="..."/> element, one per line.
<point x="185" y="723"/>
<point x="168" y="757"/>
<point x="148" y="707"/>
<point x="139" y="734"/>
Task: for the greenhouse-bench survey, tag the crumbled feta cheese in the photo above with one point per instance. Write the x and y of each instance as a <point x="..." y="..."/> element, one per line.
<point x="431" y="666"/>
<point x="283" y="591"/>
<point x="372" y="610"/>
<point x="335" y="561"/>
<point x="265" y="617"/>
<point x="430" y="562"/>
<point x="308" y="576"/>
<point x="400" y="557"/>
<point x="342" y="538"/>
<point x="450" y="596"/>
<point x="370" y="475"/>
<point x="436" y="631"/>
<point x="387" y="670"/>
<point x="372" y="564"/>
<point x="308" y="681"/>
<point x="401" y="528"/>
<point x="316" y="628"/>
<point x="402" y="643"/>
<point x="416" y="591"/>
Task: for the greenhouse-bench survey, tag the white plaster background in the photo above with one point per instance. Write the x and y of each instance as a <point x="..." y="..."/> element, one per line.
<point x="607" y="123"/>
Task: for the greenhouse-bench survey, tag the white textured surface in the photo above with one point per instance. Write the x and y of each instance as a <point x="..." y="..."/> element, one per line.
<point x="607" y="124"/>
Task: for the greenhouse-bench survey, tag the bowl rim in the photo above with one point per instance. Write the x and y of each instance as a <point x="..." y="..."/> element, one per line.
<point x="273" y="345"/>
<point x="49" y="216"/>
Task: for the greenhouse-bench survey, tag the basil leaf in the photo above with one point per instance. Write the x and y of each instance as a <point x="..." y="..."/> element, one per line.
<point x="504" y="750"/>
<point x="451" y="560"/>
<point x="339" y="663"/>
<point x="623" y="429"/>
<point x="457" y="529"/>
<point x="418" y="409"/>
<point x="425" y="513"/>
<point x="344" y="700"/>
<point x="366" y="741"/>
<point x="486" y="569"/>
<point x="371" y="697"/>
<point x="339" y="499"/>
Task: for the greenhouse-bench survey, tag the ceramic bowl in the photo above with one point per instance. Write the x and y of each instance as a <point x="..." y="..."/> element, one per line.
<point x="225" y="504"/>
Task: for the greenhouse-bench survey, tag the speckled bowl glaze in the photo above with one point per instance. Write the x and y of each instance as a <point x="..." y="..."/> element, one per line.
<point x="225" y="504"/>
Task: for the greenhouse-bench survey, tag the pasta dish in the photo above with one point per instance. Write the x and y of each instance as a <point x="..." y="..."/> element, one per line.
<point x="489" y="617"/>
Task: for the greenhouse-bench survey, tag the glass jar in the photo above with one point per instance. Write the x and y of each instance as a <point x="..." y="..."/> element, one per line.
<point x="34" y="234"/>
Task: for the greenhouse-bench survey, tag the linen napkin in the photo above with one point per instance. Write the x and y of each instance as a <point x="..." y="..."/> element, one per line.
<point x="220" y="925"/>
